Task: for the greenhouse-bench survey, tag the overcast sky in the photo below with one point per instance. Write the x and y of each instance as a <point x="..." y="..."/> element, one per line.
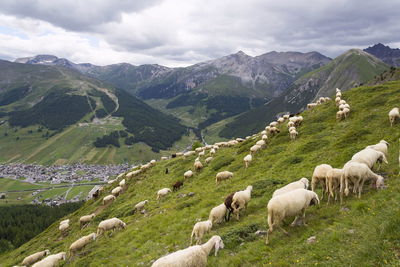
<point x="183" y="32"/>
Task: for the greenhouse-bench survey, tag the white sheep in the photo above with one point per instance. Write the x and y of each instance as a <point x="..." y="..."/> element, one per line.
<point x="163" y="192"/>
<point x="254" y="149"/>
<point x="188" y="174"/>
<point x="139" y="206"/>
<point x="311" y="105"/>
<point x="65" y="221"/>
<point x="382" y="146"/>
<point x="133" y="173"/>
<point x="208" y="160"/>
<point x="247" y="159"/>
<point x="199" y="229"/>
<point x="286" y="116"/>
<point x="122" y="183"/>
<point x="290" y="124"/>
<point x="337" y="100"/>
<point x="327" y="99"/>
<point x="108" y="199"/>
<point x="188" y="154"/>
<point x="217" y="214"/>
<point x="240" y="200"/>
<point x="293" y="134"/>
<point x="274" y="130"/>
<point x="110" y="224"/>
<point x="369" y="157"/>
<point x="338" y="94"/>
<point x="338" y="90"/>
<point x="198" y="165"/>
<point x="212" y="152"/>
<point x="302" y="183"/>
<point x="111" y="181"/>
<point x="358" y="173"/>
<point x="281" y="120"/>
<point x="342" y="102"/>
<point x="64" y="227"/>
<point x="35" y="257"/>
<point x="273" y="124"/>
<point x="223" y="176"/>
<point x="81" y="243"/>
<point x="261" y="143"/>
<point x="264" y="137"/>
<point x="393" y="115"/>
<point x="202" y="153"/>
<point x="86" y="219"/>
<point x="292" y="203"/>
<point x="193" y="256"/>
<point x="292" y="128"/>
<point x="116" y="191"/>
<point x="346" y="112"/>
<point x="263" y="132"/>
<point x="333" y="177"/>
<point x="164" y="158"/>
<point x="340" y="115"/>
<point x="153" y="161"/>
<point x="51" y="260"/>
<point x="319" y="176"/>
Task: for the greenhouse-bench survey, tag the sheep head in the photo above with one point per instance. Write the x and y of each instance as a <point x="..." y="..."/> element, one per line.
<point x="314" y="199"/>
<point x="219" y="244"/>
<point x="305" y="182"/>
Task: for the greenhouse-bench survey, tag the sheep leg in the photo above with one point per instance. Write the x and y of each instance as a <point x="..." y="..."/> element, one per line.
<point x="283" y="230"/>
<point x="360" y="188"/>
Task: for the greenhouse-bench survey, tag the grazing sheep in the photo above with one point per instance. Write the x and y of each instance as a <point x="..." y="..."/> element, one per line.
<point x="153" y="161"/>
<point x="139" y="206"/>
<point x="263" y="132"/>
<point x="293" y="134"/>
<point x="302" y="183"/>
<point x="393" y="115"/>
<point x="228" y="204"/>
<point x="240" y="200"/>
<point x="338" y="90"/>
<point x="194" y="256"/>
<point x="217" y="214"/>
<point x="290" y="124"/>
<point x="319" y="176"/>
<point x="116" y="191"/>
<point x="81" y="243"/>
<point x="111" y="181"/>
<point x="292" y="129"/>
<point x="188" y="174"/>
<point x="338" y="94"/>
<point x="199" y="229"/>
<point x="197" y="165"/>
<point x="64" y="227"/>
<point x="202" y="153"/>
<point x="208" y="160"/>
<point x="274" y="130"/>
<point x="369" y="157"/>
<point x="342" y="102"/>
<point x="133" y="173"/>
<point x="273" y="124"/>
<point x="254" y="149"/>
<point x="382" y="146"/>
<point x="212" y="151"/>
<point x="311" y="105"/>
<point x="292" y="203"/>
<point x="51" y="260"/>
<point x="340" y="115"/>
<point x="177" y="185"/>
<point x="163" y="192"/>
<point x="86" y="219"/>
<point x="357" y="173"/>
<point x="122" y="183"/>
<point x="286" y="116"/>
<point x="223" y="176"/>
<point x="65" y="221"/>
<point x="346" y="112"/>
<point x="35" y="257"/>
<point x="337" y="100"/>
<point x="327" y="99"/>
<point x="281" y="120"/>
<point x="261" y="143"/>
<point x="163" y="158"/>
<point x="240" y="139"/>
<point x="110" y="224"/>
<point x="247" y="159"/>
<point x="108" y="199"/>
<point x="333" y="182"/>
<point x="264" y="137"/>
<point x="188" y="154"/>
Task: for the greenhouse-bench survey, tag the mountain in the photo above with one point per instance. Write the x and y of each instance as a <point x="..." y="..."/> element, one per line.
<point x="390" y="56"/>
<point x="42" y="107"/>
<point x="350" y="69"/>
<point x="207" y="92"/>
<point x="363" y="231"/>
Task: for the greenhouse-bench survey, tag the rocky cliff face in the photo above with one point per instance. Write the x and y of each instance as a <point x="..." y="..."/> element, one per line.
<point x="390" y="56"/>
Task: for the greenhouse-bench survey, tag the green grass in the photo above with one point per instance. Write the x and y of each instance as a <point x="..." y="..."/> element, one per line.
<point x="366" y="234"/>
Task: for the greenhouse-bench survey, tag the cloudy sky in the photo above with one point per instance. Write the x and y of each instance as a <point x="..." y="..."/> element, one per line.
<point x="183" y="32"/>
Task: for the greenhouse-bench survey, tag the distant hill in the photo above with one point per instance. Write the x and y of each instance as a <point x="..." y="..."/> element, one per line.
<point x="347" y="70"/>
<point x="390" y="56"/>
<point x="52" y="102"/>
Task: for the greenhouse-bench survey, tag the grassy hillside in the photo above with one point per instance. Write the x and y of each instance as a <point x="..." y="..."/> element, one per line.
<point x="362" y="232"/>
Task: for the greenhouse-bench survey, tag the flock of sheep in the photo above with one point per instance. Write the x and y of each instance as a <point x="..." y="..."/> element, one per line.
<point x="290" y="200"/>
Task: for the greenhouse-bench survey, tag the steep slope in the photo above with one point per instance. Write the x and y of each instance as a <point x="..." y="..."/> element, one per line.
<point x="350" y="69"/>
<point x="390" y="56"/>
<point x="362" y="232"/>
<point x="42" y="105"/>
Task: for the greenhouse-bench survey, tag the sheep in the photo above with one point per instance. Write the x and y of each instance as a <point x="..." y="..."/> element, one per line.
<point x="202" y="153"/>
<point x="193" y="256"/>
<point x="86" y="219"/>
<point x="139" y="206"/>
<point x="346" y="112"/>
<point x="163" y="192"/>
<point x="111" y="181"/>
<point x="286" y="116"/>
<point x="261" y="143"/>
<point x="35" y="257"/>
<point x="264" y="132"/>
<point x="122" y="183"/>
<point x="223" y="176"/>
<point x="81" y="243"/>
<point x="382" y="146"/>
<point x="341" y="107"/>
<point x="217" y="214"/>
<point x="281" y="120"/>
<point x="342" y="102"/>
<point x="393" y="115"/>
<point x="133" y="173"/>
<point x="302" y="183"/>
<point x="311" y="105"/>
<point x="212" y="151"/>
<point x="274" y="130"/>
<point x="153" y="161"/>
<point x="369" y="157"/>
<point x="163" y="158"/>
<point x="337" y="100"/>
<point x="51" y="260"/>
<point x="188" y="174"/>
<point x="108" y="199"/>
<point x="208" y="160"/>
<point x="197" y="165"/>
<point x="65" y="221"/>
<point x="247" y="159"/>
<point x="189" y="153"/>
<point x="198" y="149"/>
<point x="292" y="129"/>
<point x="319" y="176"/>
<point x="199" y="229"/>
<point x="267" y="129"/>
<point x="338" y="90"/>
<point x="273" y="124"/>
<point x="177" y="185"/>
<point x="240" y="139"/>
<point x="228" y="204"/>
<point x="327" y="99"/>
<point x="110" y="224"/>
<point x="264" y="137"/>
<point x="290" y="124"/>
<point x="292" y="203"/>
<point x="254" y="149"/>
<point x="338" y="94"/>
<point x="333" y="182"/>
<point x="240" y="200"/>
<point x="64" y="227"/>
<point x="358" y="173"/>
<point x="340" y="115"/>
<point x="178" y="154"/>
<point x="116" y="191"/>
<point x="293" y="134"/>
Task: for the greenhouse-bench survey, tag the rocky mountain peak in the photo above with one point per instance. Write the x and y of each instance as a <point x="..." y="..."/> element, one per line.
<point x="387" y="54"/>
